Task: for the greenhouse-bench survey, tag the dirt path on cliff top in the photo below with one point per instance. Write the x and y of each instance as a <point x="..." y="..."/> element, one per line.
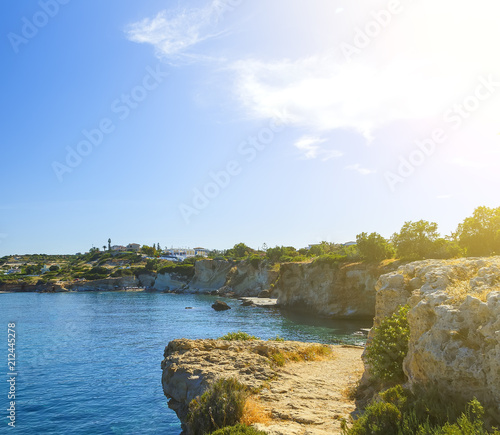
<point x="309" y="398"/>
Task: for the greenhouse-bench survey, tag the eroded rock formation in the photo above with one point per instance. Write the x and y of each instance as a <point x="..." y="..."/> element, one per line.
<point x="332" y="290"/>
<point x="454" y="324"/>
<point x="302" y="397"/>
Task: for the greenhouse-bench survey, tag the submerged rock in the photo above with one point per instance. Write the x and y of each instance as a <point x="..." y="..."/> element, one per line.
<point x="220" y="306"/>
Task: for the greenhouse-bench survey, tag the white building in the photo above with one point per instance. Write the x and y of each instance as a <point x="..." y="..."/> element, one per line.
<point x="202" y="252"/>
<point x="182" y="253"/>
<point x="133" y="247"/>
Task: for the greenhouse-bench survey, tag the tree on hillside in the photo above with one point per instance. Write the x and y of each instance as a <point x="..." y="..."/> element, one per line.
<point x="322" y="249"/>
<point x="274" y="254"/>
<point x="109" y="244"/>
<point x="150" y="251"/>
<point x="373" y="247"/>
<point x="416" y="240"/>
<point x="479" y="234"/>
<point x="240" y="250"/>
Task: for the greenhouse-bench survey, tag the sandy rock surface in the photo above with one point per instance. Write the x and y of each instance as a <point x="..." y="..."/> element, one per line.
<point x="300" y="398"/>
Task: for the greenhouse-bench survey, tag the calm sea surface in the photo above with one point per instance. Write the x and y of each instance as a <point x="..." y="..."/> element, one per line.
<point x="89" y="363"/>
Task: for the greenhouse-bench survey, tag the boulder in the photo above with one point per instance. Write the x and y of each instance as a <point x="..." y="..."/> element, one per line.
<point x="220" y="306"/>
<point x="264" y="294"/>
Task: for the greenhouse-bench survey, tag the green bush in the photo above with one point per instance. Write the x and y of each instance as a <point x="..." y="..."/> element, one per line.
<point x="277" y="338"/>
<point x="255" y="260"/>
<point x="380" y="418"/>
<point x="239" y="429"/>
<point x="330" y="259"/>
<point x="185" y="269"/>
<point x="389" y="346"/>
<point x="238" y="335"/>
<point x="400" y="411"/>
<point x="220" y="406"/>
<point x="122" y="272"/>
<point x="142" y="271"/>
<point x="373" y="247"/>
<point x="97" y="272"/>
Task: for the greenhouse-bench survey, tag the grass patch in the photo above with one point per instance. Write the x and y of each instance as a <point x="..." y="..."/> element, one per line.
<point x="458" y="291"/>
<point x="239" y="429"/>
<point x="351" y="392"/>
<point x="277" y="338"/>
<point x="238" y="335"/>
<point x="314" y="352"/>
<point x="254" y="412"/>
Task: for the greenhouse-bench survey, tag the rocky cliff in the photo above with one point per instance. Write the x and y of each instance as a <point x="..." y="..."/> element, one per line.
<point x="210" y="274"/>
<point x="241" y="278"/>
<point x="454" y="322"/>
<point x="291" y="400"/>
<point x="330" y="289"/>
<point x="104" y="284"/>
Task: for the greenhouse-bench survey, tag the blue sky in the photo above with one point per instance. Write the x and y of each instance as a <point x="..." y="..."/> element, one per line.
<point x="208" y="123"/>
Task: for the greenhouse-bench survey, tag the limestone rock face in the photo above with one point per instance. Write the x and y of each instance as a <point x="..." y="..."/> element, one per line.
<point x="209" y="274"/>
<point x="105" y="284"/>
<point x="240" y="279"/>
<point x="147" y="279"/>
<point x="247" y="280"/>
<point x="329" y="289"/>
<point x="170" y="281"/>
<point x="190" y="366"/>
<point x="454" y="341"/>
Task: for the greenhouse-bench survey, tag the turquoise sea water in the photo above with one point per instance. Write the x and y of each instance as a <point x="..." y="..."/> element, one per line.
<point x="89" y="363"/>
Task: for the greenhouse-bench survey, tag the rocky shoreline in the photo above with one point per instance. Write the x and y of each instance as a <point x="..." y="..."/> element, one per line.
<point x="454" y="344"/>
<point x="294" y="399"/>
<point x="327" y="289"/>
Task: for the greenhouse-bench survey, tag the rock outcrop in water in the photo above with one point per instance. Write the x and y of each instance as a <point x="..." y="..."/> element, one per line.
<point x="330" y="289"/>
<point x="454" y="321"/>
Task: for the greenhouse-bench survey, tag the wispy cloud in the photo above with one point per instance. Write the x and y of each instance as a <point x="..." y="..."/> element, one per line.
<point x="360" y="169"/>
<point x="324" y="94"/>
<point x="311" y="148"/>
<point x="174" y="32"/>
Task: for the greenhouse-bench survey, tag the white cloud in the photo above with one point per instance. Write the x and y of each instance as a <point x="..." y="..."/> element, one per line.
<point x="324" y="94"/>
<point x="360" y="169"/>
<point x="311" y="149"/>
<point x="173" y="33"/>
<point x="402" y="74"/>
